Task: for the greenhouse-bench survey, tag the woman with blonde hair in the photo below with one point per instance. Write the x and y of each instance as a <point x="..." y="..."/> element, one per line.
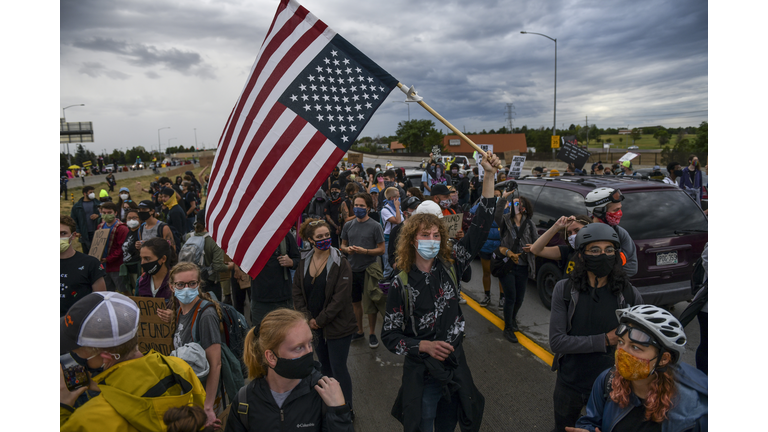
<point x="286" y="388"/>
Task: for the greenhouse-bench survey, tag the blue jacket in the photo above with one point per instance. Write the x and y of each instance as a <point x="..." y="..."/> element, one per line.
<point x="689" y="409"/>
<point x="494" y="235"/>
<point x="685" y="181"/>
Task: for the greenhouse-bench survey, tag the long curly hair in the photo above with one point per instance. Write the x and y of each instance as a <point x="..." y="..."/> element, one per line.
<point x="186" y="266"/>
<point x="268" y="335"/>
<point x="659" y="402"/>
<point x="617" y="279"/>
<point x="406" y="252"/>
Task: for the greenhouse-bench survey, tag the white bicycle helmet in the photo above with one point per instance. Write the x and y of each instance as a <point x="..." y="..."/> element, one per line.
<point x="664" y="327"/>
<point x="429" y="207"/>
<point x="598" y="199"/>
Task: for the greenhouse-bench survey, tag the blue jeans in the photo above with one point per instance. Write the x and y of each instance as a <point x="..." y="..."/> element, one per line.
<point x="514" y="284"/>
<point x="435" y="411"/>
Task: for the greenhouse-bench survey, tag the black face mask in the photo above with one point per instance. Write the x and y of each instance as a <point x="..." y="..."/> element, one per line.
<point x="678" y="173"/>
<point x="299" y="368"/>
<point x="84" y="363"/>
<point x="334" y="196"/>
<point x="151" y="268"/>
<point x="144" y="216"/>
<point x="600" y="265"/>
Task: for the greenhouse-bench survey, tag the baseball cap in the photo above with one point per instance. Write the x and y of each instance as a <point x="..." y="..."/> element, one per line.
<point x="656" y="168"/>
<point x="146" y="204"/>
<point x="124" y="189"/>
<point x="439" y="190"/>
<point x="374" y="189"/>
<point x="411" y="203"/>
<point x="200" y="218"/>
<point x="429" y="207"/>
<point x="101" y="319"/>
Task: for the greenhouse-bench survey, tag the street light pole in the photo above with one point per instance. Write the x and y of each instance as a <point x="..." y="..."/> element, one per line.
<point x="554" y="114"/>
<point x="169" y="145"/>
<point x="64" y="115"/>
<point x="158" y="136"/>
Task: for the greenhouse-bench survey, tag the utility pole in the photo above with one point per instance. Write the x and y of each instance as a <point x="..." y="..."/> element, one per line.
<point x="510" y="112"/>
<point x="587" y="120"/>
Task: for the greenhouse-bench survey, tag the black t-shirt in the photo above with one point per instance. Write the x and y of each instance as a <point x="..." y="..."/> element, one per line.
<point x="189" y="198"/>
<point x="78" y="273"/>
<point x="315" y="293"/>
<point x="635" y="421"/>
<point x="566" y="262"/>
<point x="591" y="317"/>
<point x="130" y="253"/>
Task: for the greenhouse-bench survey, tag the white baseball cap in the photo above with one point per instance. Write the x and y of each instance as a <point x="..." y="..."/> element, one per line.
<point x="429" y="207"/>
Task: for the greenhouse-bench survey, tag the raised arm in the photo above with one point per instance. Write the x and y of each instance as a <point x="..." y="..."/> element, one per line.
<point x="540" y="248"/>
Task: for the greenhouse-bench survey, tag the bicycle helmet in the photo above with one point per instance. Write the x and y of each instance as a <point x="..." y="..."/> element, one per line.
<point x="598" y="199"/>
<point x="596" y="232"/>
<point x="429" y="207"/>
<point x="662" y="325"/>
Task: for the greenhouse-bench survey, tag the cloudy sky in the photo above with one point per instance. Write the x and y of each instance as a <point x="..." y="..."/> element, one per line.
<point x="141" y="65"/>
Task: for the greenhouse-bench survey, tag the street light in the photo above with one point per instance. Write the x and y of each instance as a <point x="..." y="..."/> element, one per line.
<point x="409" y="109"/>
<point x="169" y="144"/>
<point x="158" y="136"/>
<point x="64" y="115"/>
<point x="554" y="114"/>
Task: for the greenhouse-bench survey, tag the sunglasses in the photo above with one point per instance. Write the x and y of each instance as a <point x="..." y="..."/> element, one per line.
<point x="636" y="335"/>
<point x="313" y="223"/>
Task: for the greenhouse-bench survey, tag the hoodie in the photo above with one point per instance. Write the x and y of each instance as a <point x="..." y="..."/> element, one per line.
<point x="135" y="395"/>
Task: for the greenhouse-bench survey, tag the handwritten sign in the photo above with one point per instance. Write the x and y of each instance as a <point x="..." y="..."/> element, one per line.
<point x="486" y="148"/>
<point x="153" y="332"/>
<point x="98" y="243"/>
<point x="453" y="224"/>
<point x="628" y="156"/>
<point x="355" y="158"/>
<point x="516" y="166"/>
<point x="571" y="153"/>
<point x="508" y="155"/>
<point x="436" y="152"/>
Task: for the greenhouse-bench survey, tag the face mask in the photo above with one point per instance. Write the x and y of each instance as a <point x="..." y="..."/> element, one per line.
<point x="334" y="196"/>
<point x="144" y="216"/>
<point x="109" y="218"/>
<point x="84" y="363"/>
<point x="572" y="240"/>
<point x="360" y="212"/>
<point x="461" y="175"/>
<point x="63" y="244"/>
<point x="351" y="176"/>
<point x="678" y="173"/>
<point x="151" y="268"/>
<point x="132" y="224"/>
<point x="380" y="179"/>
<point x="445" y="203"/>
<point x="91" y="195"/>
<point x="186" y="295"/>
<point x="391" y="202"/>
<point x="123" y="197"/>
<point x="323" y="245"/>
<point x="614" y="218"/>
<point x="632" y="368"/>
<point x="454" y="172"/>
<point x="298" y="368"/>
<point x="600" y="265"/>
<point x="428" y="249"/>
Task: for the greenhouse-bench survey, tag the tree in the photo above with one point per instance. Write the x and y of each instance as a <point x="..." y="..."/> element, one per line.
<point x="621" y="140"/>
<point x="418" y="136"/>
<point x="609" y="140"/>
<point x="635" y="134"/>
<point x="662" y="136"/>
<point x="701" y="142"/>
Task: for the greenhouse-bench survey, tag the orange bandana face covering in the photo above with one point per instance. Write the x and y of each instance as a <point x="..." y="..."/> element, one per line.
<point x="632" y="368"/>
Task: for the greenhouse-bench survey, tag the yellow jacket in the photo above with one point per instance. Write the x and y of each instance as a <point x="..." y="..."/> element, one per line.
<point x="135" y="394"/>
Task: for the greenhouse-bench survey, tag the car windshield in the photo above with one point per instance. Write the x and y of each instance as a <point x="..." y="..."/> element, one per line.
<point x="660" y="214"/>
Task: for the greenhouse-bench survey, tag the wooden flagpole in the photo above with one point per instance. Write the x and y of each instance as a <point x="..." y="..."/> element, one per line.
<point x="411" y="94"/>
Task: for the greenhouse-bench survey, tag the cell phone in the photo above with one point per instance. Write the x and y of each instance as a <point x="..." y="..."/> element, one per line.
<point x="75" y="375"/>
<point x="511" y="185"/>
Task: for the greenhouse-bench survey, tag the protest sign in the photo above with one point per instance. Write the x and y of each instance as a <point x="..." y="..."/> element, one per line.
<point x="453" y="224"/>
<point x="486" y="148"/>
<point x="153" y="332"/>
<point x="436" y="152"/>
<point x="98" y="243"/>
<point x="571" y="153"/>
<point x="355" y="158"/>
<point x="628" y="156"/>
<point x="516" y="166"/>
<point x="508" y="155"/>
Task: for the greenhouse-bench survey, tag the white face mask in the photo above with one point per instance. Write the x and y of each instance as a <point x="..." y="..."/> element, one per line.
<point x="572" y="241"/>
<point x="91" y="195"/>
<point x="124" y="196"/>
<point x="132" y="224"/>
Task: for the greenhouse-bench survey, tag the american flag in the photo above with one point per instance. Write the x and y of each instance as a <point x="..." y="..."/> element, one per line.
<point x="309" y="95"/>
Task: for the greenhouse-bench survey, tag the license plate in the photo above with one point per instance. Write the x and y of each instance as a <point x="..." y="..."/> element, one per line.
<point x="666" y="258"/>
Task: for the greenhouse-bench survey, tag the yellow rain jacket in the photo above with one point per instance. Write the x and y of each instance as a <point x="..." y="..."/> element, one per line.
<point x="135" y="394"/>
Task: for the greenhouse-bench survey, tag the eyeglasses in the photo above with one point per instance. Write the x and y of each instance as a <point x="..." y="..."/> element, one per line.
<point x="636" y="335"/>
<point x="182" y="285"/>
<point x="597" y="251"/>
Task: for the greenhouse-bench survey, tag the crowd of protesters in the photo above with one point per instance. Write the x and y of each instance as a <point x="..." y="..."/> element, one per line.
<point x="371" y="243"/>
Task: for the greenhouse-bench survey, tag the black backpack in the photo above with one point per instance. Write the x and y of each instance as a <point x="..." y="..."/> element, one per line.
<point x="697" y="277"/>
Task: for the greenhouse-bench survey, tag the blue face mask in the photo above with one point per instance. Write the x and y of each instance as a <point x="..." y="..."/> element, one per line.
<point x="360" y="212"/>
<point x="186" y="295"/>
<point x="428" y="249"/>
<point x="391" y="202"/>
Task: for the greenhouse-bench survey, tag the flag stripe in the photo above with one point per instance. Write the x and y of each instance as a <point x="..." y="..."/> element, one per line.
<point x="296" y="51"/>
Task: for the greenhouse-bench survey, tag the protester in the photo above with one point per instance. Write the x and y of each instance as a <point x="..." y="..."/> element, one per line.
<point x="241" y="287"/>
<point x="656" y="174"/>
<point x="176" y="219"/>
<point x="435" y="175"/>
<point x="583" y="319"/>
<point x="347" y="213"/>
<point x="372" y="212"/>
<point x="127" y="205"/>
<point x="391" y="216"/>
<point x="442" y="197"/>
<point x="191" y="202"/>
<point x="415" y="192"/>
<point x="199" y="244"/>
<point x="608" y="171"/>
<point x="196" y="186"/>
<point x="409" y="206"/>
<point x="626" y="169"/>
<point x="183" y="316"/>
<point x="569" y="227"/>
<point x="86" y="215"/>
<point x="362" y="240"/>
<point x="537" y="171"/>
<point x="462" y="187"/>
<point x="491" y="244"/>
<point x="151" y="227"/>
<point x="691" y="178"/>
<point x="63" y="180"/>
<point x="604" y="206"/>
<point x="101" y="329"/>
<point x="280" y="363"/>
<point x="131" y="268"/>
<point x="271" y="288"/>
<point x="186" y="419"/>
<point x="79" y="273"/>
<point x="648" y="388"/>
<point x="426" y="292"/>
<point x="475" y="186"/>
<point x="332" y="212"/>
<point x="322" y="290"/>
<point x="674" y="173"/>
<point x="517" y="234"/>
<point x="104" y="196"/>
<point x="111" y="182"/>
<point x="112" y="257"/>
<point x="157" y="258"/>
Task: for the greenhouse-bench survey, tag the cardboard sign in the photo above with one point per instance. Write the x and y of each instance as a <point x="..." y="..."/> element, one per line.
<point x="508" y="155"/>
<point x="98" y="243"/>
<point x="355" y="158"/>
<point x="516" y="166"/>
<point x="453" y="224"/>
<point x="628" y="156"/>
<point x="555" y="141"/>
<point x="573" y="153"/>
<point x="436" y="152"/>
<point x="153" y="332"/>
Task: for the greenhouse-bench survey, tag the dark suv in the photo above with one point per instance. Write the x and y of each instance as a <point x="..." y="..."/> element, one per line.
<point x="668" y="228"/>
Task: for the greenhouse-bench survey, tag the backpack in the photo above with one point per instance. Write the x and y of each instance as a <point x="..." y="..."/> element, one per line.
<point x="194" y="251"/>
<point x="406" y="292"/>
<point x="235" y="330"/>
<point x="697" y="277"/>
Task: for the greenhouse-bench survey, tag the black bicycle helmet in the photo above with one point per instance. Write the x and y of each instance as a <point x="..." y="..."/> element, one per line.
<point x="596" y="232"/>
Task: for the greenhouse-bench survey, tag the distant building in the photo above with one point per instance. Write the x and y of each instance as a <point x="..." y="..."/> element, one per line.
<point x="500" y="142"/>
<point x="396" y="147"/>
<point x="628" y="131"/>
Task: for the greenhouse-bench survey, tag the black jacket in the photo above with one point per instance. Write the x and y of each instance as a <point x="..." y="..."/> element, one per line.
<point x="271" y="285"/>
<point x="301" y="411"/>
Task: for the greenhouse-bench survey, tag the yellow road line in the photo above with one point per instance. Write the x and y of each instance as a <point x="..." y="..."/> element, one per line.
<point x="528" y="344"/>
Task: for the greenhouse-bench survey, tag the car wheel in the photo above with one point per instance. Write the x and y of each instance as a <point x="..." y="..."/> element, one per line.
<point x="549" y="274"/>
